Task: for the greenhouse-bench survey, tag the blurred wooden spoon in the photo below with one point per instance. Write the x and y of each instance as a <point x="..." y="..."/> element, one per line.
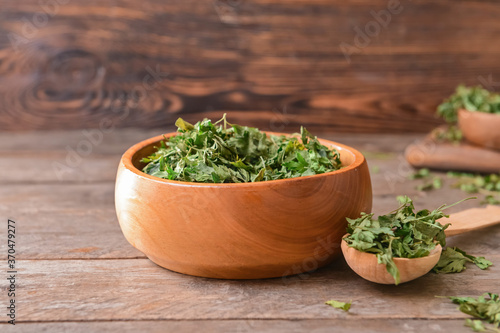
<point x="366" y="265"/>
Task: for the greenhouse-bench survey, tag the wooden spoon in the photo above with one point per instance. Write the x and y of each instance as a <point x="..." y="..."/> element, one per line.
<point x="366" y="265"/>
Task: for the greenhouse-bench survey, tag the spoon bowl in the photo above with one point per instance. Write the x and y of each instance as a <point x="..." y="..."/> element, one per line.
<point x="366" y="265"/>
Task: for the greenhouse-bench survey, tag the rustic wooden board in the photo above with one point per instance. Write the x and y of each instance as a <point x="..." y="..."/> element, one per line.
<point x="57" y="141"/>
<point x="276" y="64"/>
<point x="239" y="326"/>
<point x="90" y="290"/>
<point x="52" y="168"/>
<point x="65" y="221"/>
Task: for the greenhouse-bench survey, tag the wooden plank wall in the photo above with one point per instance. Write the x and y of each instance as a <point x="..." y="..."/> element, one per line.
<point x="69" y="64"/>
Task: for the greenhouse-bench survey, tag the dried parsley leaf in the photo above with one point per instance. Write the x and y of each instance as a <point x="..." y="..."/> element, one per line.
<point x="451" y="133"/>
<point x="476" y="325"/>
<point x="436" y="184"/>
<point x="490" y="200"/>
<point x="228" y="153"/>
<point x="486" y="307"/>
<point x="427" y="185"/>
<point x="339" y="305"/>
<point x="402" y="233"/>
<point x="453" y="260"/>
<point x="482" y="262"/>
<point x="421" y="173"/>
<point x="487" y="185"/>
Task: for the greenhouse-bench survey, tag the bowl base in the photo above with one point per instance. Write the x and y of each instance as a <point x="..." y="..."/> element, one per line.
<point x="243" y="272"/>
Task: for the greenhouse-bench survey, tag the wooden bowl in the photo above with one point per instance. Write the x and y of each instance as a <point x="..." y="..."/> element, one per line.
<point x="366" y="265"/>
<point x="240" y="231"/>
<point x="480" y="128"/>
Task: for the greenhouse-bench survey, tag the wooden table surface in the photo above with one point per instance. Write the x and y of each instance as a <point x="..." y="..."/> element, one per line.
<point x="77" y="273"/>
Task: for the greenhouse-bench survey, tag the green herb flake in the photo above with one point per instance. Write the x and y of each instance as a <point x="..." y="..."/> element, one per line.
<point x="450" y="133"/>
<point x="428" y="184"/>
<point x="485" y="307"/>
<point x="402" y="233"/>
<point x="421" y="173"/>
<point x="476" y="325"/>
<point x="453" y="260"/>
<point x="222" y="152"/>
<point x="339" y="305"/>
<point x="490" y="200"/>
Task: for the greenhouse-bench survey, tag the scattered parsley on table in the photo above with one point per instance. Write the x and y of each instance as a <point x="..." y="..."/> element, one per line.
<point x="345" y="306"/>
<point x="453" y="260"/>
<point x="485" y="307"/>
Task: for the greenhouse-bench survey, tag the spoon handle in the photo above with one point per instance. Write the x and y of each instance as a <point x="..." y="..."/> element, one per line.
<point x="471" y="219"/>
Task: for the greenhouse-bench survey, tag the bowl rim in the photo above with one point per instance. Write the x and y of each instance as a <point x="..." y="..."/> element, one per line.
<point x="126" y="162"/>
<point x="478" y="113"/>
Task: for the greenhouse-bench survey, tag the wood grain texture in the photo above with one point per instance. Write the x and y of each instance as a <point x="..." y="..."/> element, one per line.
<point x="137" y="289"/>
<point x="472" y="219"/>
<point x="352" y="324"/>
<point x="267" y="63"/>
<point x="240" y="230"/>
<point x="57" y="221"/>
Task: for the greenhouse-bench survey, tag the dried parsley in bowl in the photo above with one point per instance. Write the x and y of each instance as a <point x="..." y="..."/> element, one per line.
<point x="475" y="99"/>
<point x="471" y="99"/>
<point x="221" y="152"/>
